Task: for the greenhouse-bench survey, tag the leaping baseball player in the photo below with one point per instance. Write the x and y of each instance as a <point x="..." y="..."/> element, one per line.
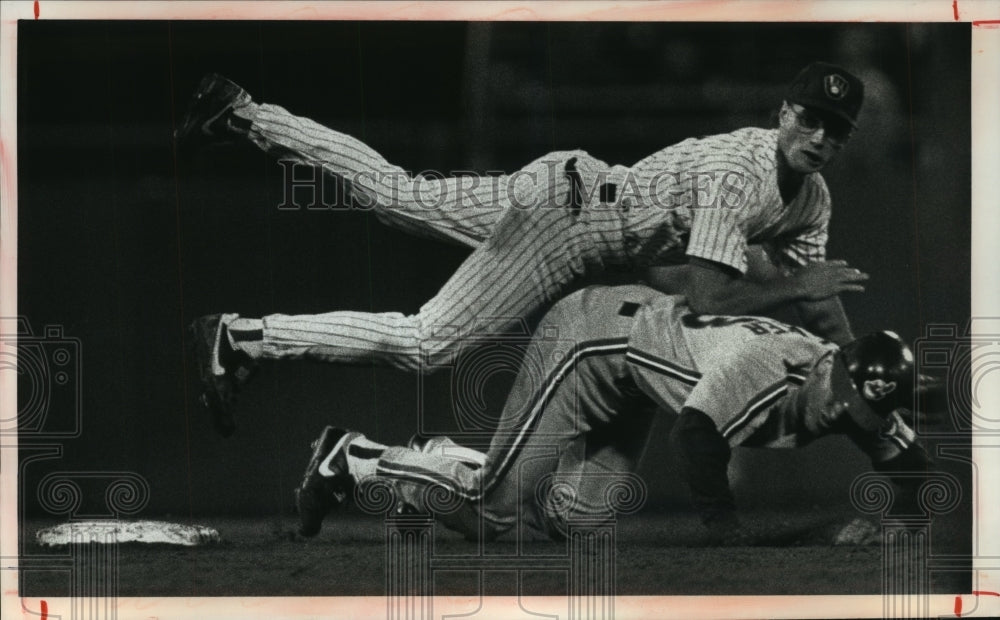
<point x="579" y="415"/>
<point x="536" y="232"/>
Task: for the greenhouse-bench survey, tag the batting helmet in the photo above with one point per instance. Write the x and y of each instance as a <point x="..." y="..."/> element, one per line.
<point x="881" y="367"/>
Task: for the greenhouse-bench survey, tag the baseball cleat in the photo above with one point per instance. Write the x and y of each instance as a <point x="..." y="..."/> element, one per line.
<point x="221" y="369"/>
<point x="209" y="115"/>
<point x="327" y="483"/>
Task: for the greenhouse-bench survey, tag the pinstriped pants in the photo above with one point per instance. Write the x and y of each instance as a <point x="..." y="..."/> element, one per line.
<point x="529" y="246"/>
<point x="572" y="427"/>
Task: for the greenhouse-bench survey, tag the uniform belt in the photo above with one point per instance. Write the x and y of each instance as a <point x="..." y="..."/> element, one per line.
<point x="607" y="192"/>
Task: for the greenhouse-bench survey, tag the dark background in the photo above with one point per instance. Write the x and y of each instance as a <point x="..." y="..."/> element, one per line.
<point x="122" y="242"/>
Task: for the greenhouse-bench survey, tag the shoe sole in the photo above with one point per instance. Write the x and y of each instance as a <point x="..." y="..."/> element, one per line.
<point x="189" y="129"/>
<point x="200" y="333"/>
<point x="321" y="449"/>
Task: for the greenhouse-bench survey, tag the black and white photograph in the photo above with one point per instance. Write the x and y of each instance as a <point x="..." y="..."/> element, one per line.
<point x="412" y="317"/>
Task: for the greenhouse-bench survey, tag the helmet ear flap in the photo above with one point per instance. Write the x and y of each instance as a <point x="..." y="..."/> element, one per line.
<point x="881" y="367"/>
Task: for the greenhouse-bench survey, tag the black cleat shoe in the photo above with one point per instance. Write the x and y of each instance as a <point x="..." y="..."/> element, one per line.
<point x="209" y="115"/>
<point x="221" y="369"/>
<point x="327" y="483"/>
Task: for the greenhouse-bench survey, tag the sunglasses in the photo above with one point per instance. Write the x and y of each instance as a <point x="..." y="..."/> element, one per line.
<point x="835" y="132"/>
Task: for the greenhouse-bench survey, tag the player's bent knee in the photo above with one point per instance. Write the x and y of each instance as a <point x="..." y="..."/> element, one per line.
<point x="406" y="343"/>
<point x="436" y="345"/>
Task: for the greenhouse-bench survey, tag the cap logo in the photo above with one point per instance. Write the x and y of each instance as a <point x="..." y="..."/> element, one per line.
<point x="836" y="86"/>
<point x="877" y="389"/>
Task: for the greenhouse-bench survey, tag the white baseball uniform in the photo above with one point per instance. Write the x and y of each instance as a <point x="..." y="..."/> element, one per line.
<point x="531" y="241"/>
<point x="603" y="360"/>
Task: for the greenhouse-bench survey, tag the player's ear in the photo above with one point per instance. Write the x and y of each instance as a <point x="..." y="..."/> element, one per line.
<point x="784" y="114"/>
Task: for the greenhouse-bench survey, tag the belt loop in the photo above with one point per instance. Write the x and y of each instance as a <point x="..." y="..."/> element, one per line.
<point x="609" y="191"/>
<point x="575" y="186"/>
<point x="629" y="308"/>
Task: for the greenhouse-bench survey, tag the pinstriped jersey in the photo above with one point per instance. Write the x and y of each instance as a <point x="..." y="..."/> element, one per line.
<point x="720" y="193"/>
<point x="756" y="378"/>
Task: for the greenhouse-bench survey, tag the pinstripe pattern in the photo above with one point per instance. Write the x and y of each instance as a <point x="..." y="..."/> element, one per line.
<point x="532" y="260"/>
<point x="462" y="212"/>
<point x="466" y="208"/>
<point x="720" y="191"/>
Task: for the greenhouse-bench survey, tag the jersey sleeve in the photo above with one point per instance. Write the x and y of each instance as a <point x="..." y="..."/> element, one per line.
<point x="725" y="184"/>
<point x="718" y="235"/>
<point x="808" y="245"/>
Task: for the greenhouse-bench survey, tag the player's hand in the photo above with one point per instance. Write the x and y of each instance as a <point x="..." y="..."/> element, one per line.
<point x="821" y="280"/>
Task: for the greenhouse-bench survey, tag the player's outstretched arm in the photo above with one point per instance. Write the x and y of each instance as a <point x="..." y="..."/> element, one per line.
<point x="714" y="288"/>
<point x="704" y="458"/>
<point x="895" y="452"/>
<point x="826" y="318"/>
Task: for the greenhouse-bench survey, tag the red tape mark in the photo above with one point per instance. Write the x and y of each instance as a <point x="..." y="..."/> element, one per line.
<point x="954" y="7"/>
<point x="986" y="22"/>
<point x="37" y="9"/>
<point x="44" y="605"/>
<point x="958" y="599"/>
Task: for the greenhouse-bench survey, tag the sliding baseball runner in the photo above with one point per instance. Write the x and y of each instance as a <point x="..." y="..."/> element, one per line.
<point x="578" y="417"/>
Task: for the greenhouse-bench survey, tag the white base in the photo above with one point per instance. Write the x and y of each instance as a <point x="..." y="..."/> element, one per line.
<point x="111" y="532"/>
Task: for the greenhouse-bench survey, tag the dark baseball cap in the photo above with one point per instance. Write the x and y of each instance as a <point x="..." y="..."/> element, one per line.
<point x="828" y="88"/>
